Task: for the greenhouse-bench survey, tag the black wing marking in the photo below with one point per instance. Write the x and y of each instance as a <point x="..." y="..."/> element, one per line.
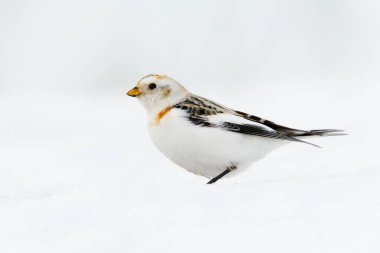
<point x="259" y="131"/>
<point x="200" y="121"/>
<point x="274" y="126"/>
<point x="292" y="132"/>
<point x="197" y="111"/>
<point x="199" y="107"/>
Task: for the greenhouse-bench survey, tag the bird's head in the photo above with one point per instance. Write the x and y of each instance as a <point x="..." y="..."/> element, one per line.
<point x="158" y="91"/>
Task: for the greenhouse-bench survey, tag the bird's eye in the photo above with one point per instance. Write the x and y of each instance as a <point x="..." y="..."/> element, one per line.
<point x="152" y="86"/>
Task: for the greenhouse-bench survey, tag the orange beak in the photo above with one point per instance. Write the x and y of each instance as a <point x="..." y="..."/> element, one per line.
<point x="134" y="92"/>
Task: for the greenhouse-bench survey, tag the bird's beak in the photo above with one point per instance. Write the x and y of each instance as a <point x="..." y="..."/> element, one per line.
<point x="134" y="92"/>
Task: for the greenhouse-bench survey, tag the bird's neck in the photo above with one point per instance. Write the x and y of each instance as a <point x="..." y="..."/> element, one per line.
<point x="154" y="107"/>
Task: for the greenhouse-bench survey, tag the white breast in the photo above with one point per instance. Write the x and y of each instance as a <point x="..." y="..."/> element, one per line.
<point x="206" y="151"/>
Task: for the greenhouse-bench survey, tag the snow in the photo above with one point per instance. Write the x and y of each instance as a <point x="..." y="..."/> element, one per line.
<point x="78" y="173"/>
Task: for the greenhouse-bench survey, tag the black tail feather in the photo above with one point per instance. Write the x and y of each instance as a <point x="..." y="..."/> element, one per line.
<point x="320" y="132"/>
<point x="317" y="132"/>
<point x="291" y="132"/>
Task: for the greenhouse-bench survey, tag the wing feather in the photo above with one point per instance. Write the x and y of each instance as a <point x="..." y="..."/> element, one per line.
<point x="205" y="113"/>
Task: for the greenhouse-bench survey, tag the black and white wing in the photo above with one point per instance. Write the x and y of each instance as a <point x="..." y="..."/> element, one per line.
<point x="292" y="132"/>
<point x="205" y="113"/>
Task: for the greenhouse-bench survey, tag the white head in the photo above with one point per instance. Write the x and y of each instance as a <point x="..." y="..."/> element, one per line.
<point x="156" y="92"/>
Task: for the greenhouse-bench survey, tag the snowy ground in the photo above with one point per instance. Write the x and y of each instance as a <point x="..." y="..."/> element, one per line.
<point x="78" y="173"/>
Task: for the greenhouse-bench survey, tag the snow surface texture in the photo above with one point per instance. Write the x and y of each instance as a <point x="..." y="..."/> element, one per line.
<point x="78" y="173"/>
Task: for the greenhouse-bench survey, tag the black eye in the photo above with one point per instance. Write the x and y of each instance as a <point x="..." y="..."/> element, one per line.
<point x="152" y="86"/>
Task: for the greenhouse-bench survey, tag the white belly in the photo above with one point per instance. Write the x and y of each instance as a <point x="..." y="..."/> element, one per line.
<point x="207" y="151"/>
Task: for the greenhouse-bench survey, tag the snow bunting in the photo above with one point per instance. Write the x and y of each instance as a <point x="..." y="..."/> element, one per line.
<point x="207" y="138"/>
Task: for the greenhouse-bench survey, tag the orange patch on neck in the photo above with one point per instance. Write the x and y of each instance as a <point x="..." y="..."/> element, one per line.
<point x="161" y="115"/>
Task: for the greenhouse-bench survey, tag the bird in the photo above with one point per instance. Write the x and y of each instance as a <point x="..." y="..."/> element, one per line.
<point x="206" y="138"/>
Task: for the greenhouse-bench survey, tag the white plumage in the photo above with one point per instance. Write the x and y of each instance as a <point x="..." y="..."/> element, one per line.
<point x="204" y="137"/>
<point x="207" y="151"/>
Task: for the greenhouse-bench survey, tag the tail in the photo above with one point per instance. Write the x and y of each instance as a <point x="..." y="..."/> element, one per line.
<point x="291" y="132"/>
<point x="318" y="132"/>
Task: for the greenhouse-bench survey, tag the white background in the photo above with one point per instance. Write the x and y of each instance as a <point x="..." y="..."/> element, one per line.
<point x="78" y="172"/>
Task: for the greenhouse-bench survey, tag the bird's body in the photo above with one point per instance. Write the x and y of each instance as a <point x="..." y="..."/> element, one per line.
<point x="206" y="151"/>
<point x="204" y="137"/>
